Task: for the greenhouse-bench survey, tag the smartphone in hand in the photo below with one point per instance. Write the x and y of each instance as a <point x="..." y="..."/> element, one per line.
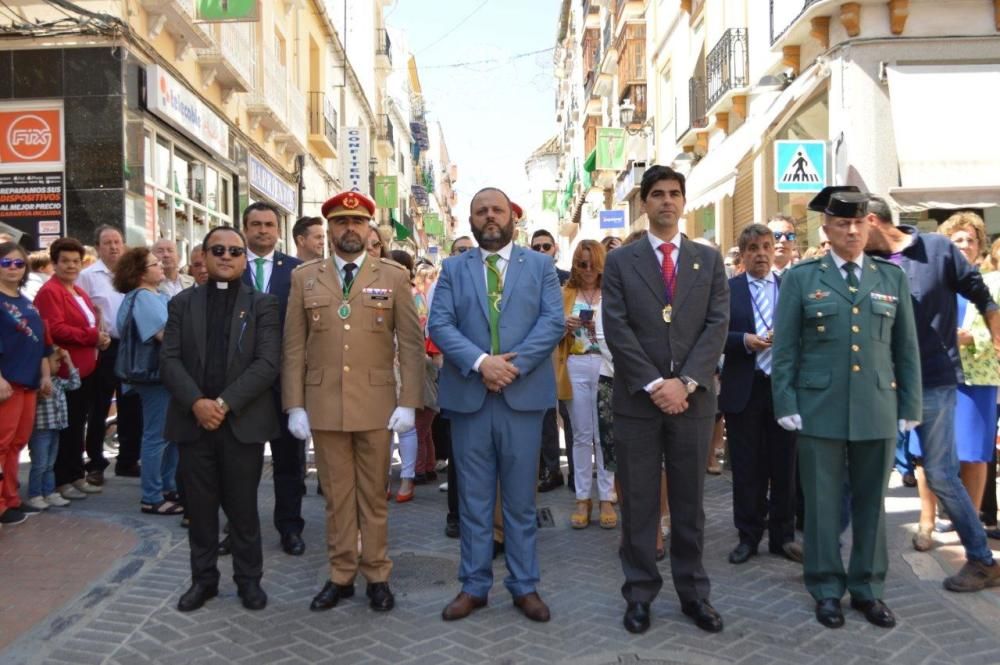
<point x="586" y="315"/>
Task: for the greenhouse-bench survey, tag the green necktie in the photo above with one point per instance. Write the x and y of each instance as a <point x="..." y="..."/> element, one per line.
<point x="494" y="290"/>
<point x="852" y="277"/>
<point x="259" y="276"/>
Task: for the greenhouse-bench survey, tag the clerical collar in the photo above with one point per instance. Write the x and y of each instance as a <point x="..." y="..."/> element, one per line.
<point x="220" y="285"/>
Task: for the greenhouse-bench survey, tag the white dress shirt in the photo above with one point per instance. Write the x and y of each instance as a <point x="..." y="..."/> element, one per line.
<point x="340" y="263"/>
<point x="268" y="270"/>
<point x="839" y="262"/>
<point x="658" y="249"/>
<point x="96" y="281"/>
<point x="502" y="264"/>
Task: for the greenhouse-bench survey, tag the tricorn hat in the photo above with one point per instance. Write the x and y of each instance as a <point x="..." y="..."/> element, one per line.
<point x="847" y="204"/>
<point x="819" y="202"/>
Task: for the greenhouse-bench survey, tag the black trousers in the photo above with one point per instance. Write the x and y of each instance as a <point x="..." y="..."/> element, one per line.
<point x="288" y="464"/>
<point x="682" y="443"/>
<point x="763" y="457"/>
<point x="105" y="386"/>
<point x="219" y="471"/>
<point x="441" y="430"/>
<point x="550" y="440"/>
<point x="68" y="466"/>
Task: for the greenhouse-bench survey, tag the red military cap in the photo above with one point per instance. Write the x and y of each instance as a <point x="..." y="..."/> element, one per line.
<point x="349" y="204"/>
<point x="518" y="211"/>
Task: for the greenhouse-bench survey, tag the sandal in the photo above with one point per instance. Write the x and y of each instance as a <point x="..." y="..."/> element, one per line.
<point x="173" y="497"/>
<point x="162" y="508"/>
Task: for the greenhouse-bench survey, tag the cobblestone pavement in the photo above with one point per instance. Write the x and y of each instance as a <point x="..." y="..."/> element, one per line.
<point x="125" y="613"/>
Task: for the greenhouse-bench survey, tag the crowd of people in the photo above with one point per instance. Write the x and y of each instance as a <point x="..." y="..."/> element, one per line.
<point x="877" y="348"/>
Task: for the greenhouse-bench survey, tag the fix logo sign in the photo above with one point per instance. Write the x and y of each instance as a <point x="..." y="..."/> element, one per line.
<point x="30" y="136"/>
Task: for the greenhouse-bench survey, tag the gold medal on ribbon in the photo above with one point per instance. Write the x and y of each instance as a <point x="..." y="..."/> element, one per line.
<point x="668" y="312"/>
<point x="344" y="311"/>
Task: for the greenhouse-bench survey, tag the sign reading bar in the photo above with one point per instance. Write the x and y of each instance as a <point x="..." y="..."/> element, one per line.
<point x="32" y="204"/>
<point x="354" y="159"/>
<point x="610" y="149"/>
<point x="227" y="10"/>
<point x="170" y="100"/>
<point x="386" y="191"/>
<point x="31" y="135"/>
<point x="268" y="183"/>
<point x="612" y="219"/>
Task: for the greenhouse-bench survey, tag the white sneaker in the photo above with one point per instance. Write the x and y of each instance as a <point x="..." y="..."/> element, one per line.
<point x="55" y="499"/>
<point x="443" y="487"/>
<point x="70" y="492"/>
<point x="86" y="487"/>
<point x="37" y="502"/>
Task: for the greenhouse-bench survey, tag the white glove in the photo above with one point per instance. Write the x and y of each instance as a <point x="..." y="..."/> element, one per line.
<point x="403" y="419"/>
<point x="791" y="423"/>
<point x="908" y="425"/>
<point x="298" y="423"/>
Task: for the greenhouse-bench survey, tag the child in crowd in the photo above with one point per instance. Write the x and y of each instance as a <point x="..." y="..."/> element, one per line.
<point x="50" y="417"/>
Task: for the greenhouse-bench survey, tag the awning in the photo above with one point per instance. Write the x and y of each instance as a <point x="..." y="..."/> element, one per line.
<point x="714" y="177"/>
<point x="941" y="144"/>
<point x="948" y="198"/>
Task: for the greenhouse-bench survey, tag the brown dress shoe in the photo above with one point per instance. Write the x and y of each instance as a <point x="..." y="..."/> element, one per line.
<point x="532" y="607"/>
<point x="463" y="605"/>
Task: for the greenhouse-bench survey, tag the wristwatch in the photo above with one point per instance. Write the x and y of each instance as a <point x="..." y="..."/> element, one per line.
<point x="690" y="384"/>
<point x="222" y="404"/>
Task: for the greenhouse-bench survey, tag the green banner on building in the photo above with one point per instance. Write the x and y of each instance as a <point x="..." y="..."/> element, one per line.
<point x="386" y="191"/>
<point x="433" y="226"/>
<point x="610" y="148"/>
<point x="227" y="10"/>
<point x="550" y="200"/>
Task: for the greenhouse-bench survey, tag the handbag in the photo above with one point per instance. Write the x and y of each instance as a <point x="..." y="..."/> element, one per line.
<point x="137" y="361"/>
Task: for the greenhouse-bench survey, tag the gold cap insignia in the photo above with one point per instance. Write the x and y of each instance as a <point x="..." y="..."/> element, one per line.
<point x="351" y="201"/>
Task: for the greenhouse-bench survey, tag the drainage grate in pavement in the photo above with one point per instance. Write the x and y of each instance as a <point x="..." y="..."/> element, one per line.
<point x="543" y="516"/>
<point x="414" y="573"/>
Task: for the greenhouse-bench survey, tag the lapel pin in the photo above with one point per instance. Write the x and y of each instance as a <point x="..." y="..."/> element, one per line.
<point x="279" y="263"/>
<point x="696" y="266"/>
<point x="242" y="314"/>
<point x="872" y="266"/>
<point x="823" y="266"/>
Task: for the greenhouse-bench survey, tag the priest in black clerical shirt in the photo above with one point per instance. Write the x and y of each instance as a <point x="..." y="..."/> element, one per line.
<point x="221" y="353"/>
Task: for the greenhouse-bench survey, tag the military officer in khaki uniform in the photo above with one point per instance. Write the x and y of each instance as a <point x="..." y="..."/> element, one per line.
<point x="349" y="317"/>
<point x="846" y="374"/>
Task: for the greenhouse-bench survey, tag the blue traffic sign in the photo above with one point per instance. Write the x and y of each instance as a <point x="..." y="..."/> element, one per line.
<point x="612" y="219"/>
<point x="799" y="166"/>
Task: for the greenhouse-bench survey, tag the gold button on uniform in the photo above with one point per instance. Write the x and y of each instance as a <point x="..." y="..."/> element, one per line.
<point x="854" y="368"/>
<point x="855" y="329"/>
<point x="347" y="347"/>
<point x="347" y="326"/>
<point x="855" y="348"/>
<point x="855" y="310"/>
<point x="893" y="384"/>
<point x="346" y="368"/>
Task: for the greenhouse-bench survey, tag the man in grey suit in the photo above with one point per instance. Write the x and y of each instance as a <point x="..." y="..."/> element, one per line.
<point x="221" y="354"/>
<point x="666" y="315"/>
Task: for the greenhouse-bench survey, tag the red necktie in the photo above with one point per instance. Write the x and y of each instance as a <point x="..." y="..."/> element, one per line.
<point x="668" y="268"/>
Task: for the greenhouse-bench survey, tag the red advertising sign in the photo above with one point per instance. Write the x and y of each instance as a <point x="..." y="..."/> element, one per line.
<point x="30" y="136"/>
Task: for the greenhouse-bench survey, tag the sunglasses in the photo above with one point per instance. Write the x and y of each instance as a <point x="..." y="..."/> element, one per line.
<point x="788" y="235"/>
<point x="542" y="247"/>
<point x="220" y="250"/>
<point x="6" y="263"/>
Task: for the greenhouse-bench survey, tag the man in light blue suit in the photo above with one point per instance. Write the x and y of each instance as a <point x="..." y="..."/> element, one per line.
<point x="497" y="317"/>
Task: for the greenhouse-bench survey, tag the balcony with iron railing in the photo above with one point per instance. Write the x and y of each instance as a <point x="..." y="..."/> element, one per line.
<point x="727" y="66"/>
<point x="785" y="13"/>
<point x="383" y="45"/>
<point x="697" y="110"/>
<point x="322" y="124"/>
<point x="385" y="133"/>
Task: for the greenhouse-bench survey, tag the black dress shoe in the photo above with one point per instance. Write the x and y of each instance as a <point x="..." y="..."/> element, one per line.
<point x="253" y="596"/>
<point x="876" y="612"/>
<point x="498" y="548"/>
<point x="330" y="596"/>
<point x="637" y="617"/>
<point x="828" y="612"/>
<point x="550" y="481"/>
<point x="381" y="597"/>
<point x="704" y="615"/>
<point x="742" y="553"/>
<point x="196" y="596"/>
<point x="451" y="527"/>
<point x="225" y="546"/>
<point x="293" y="544"/>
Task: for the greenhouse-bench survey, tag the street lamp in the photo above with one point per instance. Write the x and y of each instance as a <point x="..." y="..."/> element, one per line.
<point x="626" y="113"/>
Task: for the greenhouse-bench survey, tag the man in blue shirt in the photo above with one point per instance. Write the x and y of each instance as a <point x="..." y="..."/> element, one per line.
<point x="937" y="271"/>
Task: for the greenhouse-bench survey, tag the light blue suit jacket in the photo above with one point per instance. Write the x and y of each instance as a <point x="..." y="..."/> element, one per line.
<point x="531" y="324"/>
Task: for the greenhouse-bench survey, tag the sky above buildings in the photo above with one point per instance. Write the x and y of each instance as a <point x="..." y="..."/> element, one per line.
<point x="487" y="75"/>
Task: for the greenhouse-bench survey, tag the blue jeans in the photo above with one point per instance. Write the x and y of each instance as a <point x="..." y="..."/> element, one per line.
<point x="158" y="456"/>
<point x="43" y="445"/>
<point x="904" y="460"/>
<point x="940" y="462"/>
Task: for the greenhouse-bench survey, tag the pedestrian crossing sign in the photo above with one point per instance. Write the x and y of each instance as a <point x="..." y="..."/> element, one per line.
<point x="799" y="166"/>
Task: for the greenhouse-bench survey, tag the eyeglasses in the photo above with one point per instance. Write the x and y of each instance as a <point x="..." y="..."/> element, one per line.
<point x="584" y="265"/>
<point x="6" y="263"/>
<point x="542" y="247"/>
<point x="788" y="235"/>
<point x="220" y="250"/>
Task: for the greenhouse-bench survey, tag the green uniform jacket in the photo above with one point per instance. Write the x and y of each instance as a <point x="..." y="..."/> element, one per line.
<point x="848" y="363"/>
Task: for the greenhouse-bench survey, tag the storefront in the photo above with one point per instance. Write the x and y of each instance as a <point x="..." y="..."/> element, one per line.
<point x="266" y="185"/>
